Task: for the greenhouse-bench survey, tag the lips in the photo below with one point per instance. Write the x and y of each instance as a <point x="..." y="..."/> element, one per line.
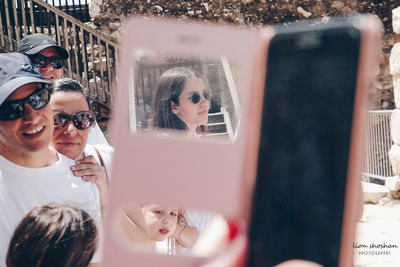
<point x="48" y="78"/>
<point x="33" y="131"/>
<point x="203" y="112"/>
<point x="68" y="143"/>
<point x="164" y="231"/>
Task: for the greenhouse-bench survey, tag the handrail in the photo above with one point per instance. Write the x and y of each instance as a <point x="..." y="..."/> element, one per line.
<point x="79" y="9"/>
<point x="227" y="121"/>
<point x="232" y="87"/>
<point x="74" y="20"/>
<point x="377" y="145"/>
<point x="93" y="55"/>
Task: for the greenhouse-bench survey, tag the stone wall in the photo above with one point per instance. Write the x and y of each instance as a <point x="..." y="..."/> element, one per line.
<point x="393" y="183"/>
<point x="109" y="15"/>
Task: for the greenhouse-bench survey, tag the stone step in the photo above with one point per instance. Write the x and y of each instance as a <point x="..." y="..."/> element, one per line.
<point x="372" y="193"/>
<point x="215" y="117"/>
<point x="216" y="127"/>
<point x="218" y="134"/>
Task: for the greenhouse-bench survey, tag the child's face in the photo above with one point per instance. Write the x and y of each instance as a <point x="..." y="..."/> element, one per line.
<point x="161" y="221"/>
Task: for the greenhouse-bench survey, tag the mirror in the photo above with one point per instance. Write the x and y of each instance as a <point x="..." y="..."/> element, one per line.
<point x="158" y="166"/>
<point x="169" y="230"/>
<point x="193" y="96"/>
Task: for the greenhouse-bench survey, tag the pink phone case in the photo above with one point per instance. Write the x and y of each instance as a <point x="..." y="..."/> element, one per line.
<point x="369" y="49"/>
<point x="201" y="174"/>
<point x="370" y="44"/>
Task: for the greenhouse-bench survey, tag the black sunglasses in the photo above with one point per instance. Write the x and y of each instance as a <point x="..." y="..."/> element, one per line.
<point x="14" y="109"/>
<point x="81" y="119"/>
<point x="40" y="61"/>
<point x="195" y="96"/>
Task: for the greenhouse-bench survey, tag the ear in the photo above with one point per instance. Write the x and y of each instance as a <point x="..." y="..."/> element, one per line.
<point x="174" y="108"/>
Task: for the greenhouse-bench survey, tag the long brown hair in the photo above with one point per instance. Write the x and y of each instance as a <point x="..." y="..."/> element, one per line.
<point x="169" y="88"/>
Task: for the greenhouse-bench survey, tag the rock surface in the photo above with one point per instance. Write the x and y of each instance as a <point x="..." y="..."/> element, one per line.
<point x="395" y="126"/>
<point x="393" y="185"/>
<point x="257" y="13"/>
<point x="394" y="157"/>
<point x="372" y="193"/>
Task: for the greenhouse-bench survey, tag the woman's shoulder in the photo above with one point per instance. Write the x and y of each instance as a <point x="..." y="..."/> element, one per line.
<point x="102" y="148"/>
<point x="104" y="151"/>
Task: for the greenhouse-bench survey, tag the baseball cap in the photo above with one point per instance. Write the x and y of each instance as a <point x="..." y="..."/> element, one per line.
<point x="33" y="44"/>
<point x="16" y="70"/>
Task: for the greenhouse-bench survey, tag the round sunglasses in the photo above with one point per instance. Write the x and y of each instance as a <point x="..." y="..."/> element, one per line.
<point x="82" y="120"/>
<point x="14" y="109"/>
<point x="195" y="96"/>
<point x="40" y="61"/>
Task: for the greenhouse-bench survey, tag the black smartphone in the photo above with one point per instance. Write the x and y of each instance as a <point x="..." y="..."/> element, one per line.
<point x="305" y="142"/>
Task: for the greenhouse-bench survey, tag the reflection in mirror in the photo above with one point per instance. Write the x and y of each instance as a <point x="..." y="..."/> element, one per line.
<point x="171" y="230"/>
<point x="197" y="97"/>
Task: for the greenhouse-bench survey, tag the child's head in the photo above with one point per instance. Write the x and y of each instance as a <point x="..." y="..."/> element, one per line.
<point x="161" y="221"/>
<point x="53" y="235"/>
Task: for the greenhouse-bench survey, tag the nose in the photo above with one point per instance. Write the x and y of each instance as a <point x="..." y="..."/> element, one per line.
<point x="48" y="66"/>
<point x="166" y="220"/>
<point x="70" y="128"/>
<point x="204" y="101"/>
<point x="31" y="114"/>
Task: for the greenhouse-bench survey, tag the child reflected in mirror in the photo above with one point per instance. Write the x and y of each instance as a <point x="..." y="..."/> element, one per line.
<point x="164" y="229"/>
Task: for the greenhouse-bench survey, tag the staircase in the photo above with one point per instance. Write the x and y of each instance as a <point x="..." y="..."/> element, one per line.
<point x="219" y="124"/>
<point x="93" y="56"/>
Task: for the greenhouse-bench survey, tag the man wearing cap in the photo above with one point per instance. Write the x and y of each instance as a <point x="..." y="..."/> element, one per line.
<point x="49" y="58"/>
<point x="31" y="173"/>
<point x="45" y="53"/>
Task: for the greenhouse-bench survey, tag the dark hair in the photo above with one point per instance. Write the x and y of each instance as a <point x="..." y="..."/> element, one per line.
<point x="70" y="85"/>
<point x="169" y="88"/>
<point x="54" y="234"/>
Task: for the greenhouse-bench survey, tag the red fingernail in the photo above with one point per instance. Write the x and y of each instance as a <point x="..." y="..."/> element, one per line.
<point x="233" y="229"/>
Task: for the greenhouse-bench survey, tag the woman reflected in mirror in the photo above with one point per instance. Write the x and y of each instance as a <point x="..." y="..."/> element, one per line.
<point x="181" y="102"/>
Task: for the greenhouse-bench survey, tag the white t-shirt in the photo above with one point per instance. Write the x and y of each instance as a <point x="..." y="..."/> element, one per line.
<point x="96" y="136"/>
<point x="198" y="219"/>
<point x="22" y="189"/>
<point x="166" y="246"/>
<point x="106" y="151"/>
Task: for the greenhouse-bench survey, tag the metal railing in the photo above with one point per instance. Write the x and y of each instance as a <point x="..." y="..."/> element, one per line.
<point x="378" y="143"/>
<point x="234" y="96"/>
<point x="79" y="9"/>
<point x="93" y="55"/>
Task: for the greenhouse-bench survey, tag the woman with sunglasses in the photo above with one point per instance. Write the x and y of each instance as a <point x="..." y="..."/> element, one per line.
<point x="181" y="102"/>
<point x="72" y="122"/>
